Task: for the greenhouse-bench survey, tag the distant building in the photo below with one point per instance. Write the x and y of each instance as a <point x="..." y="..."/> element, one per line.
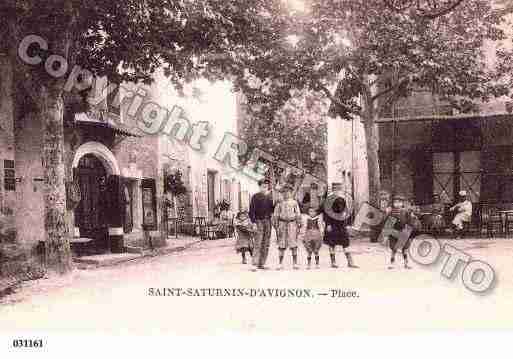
<point x="347" y="157"/>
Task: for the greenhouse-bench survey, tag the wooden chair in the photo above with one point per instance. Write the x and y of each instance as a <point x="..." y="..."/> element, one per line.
<point x="508" y="222"/>
<point x="199" y="225"/>
<point x="231" y="227"/>
<point x="211" y="231"/>
<point x="187" y="227"/>
<point x="491" y="218"/>
<point x="172" y="222"/>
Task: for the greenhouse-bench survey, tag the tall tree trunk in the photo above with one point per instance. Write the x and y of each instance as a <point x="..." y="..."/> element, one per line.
<point x="58" y="252"/>
<point x="372" y="138"/>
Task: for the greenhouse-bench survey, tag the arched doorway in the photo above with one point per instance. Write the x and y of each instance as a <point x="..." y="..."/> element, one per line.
<point x="91" y="212"/>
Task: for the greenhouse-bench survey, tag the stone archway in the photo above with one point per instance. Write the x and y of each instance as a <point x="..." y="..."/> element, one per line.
<point x="102" y="152"/>
<point x="108" y="160"/>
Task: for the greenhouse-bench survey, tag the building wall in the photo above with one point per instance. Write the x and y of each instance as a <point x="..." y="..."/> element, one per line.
<point x="137" y="158"/>
<point x="7" y="198"/>
<point x="29" y="191"/>
<point x="347" y="157"/>
<point x="22" y="142"/>
<point x="477" y="149"/>
<point x="218" y="106"/>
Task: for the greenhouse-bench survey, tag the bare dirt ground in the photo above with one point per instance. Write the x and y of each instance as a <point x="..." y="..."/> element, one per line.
<point x="117" y="299"/>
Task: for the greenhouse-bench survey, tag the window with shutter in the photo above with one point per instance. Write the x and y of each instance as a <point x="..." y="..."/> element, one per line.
<point x="9" y="176"/>
<point x="149" y="204"/>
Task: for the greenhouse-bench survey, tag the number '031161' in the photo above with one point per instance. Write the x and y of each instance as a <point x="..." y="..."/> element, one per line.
<point x="27" y="343"/>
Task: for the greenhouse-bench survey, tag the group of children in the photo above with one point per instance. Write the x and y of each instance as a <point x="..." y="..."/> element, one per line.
<point x="312" y="228"/>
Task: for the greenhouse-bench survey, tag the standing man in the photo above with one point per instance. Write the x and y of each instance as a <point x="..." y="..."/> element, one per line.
<point x="260" y="212"/>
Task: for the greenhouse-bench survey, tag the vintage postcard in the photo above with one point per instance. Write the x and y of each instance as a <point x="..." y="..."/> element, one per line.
<point x="270" y="167"/>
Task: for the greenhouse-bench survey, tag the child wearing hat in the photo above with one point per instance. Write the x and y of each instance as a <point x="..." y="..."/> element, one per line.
<point x="404" y="216"/>
<point x="245" y="234"/>
<point x="335" y="216"/>
<point x="311" y="233"/>
<point x="285" y="221"/>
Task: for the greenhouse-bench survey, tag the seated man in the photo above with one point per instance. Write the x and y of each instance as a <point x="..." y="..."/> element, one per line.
<point x="463" y="213"/>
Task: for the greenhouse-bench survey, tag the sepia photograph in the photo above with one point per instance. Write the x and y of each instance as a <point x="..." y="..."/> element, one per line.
<point x="246" y="168"/>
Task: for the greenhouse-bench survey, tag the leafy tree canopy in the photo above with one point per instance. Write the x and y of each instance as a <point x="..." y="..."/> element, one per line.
<point x="367" y="49"/>
<point x="297" y="130"/>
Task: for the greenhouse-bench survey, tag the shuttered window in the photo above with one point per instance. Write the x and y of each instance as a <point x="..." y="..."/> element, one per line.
<point x="9" y="176"/>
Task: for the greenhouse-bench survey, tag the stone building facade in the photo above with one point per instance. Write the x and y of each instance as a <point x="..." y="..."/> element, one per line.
<point x="110" y="162"/>
<point x="117" y="166"/>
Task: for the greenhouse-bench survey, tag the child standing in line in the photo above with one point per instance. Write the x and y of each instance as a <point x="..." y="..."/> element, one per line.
<point x="245" y="234"/>
<point x="336" y="216"/>
<point x="311" y="233"/>
<point x="285" y="221"/>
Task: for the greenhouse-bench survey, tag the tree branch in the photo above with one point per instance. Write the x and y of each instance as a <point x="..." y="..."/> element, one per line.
<point x="443" y="12"/>
<point x="332" y="98"/>
<point x="429" y="14"/>
<point x="391" y="88"/>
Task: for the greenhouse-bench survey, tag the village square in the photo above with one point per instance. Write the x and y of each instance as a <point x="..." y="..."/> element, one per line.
<point x="270" y="166"/>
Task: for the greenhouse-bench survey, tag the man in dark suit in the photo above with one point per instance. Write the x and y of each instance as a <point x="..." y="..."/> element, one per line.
<point x="260" y="212"/>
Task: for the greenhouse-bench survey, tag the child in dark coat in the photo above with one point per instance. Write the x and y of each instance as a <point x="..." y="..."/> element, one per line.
<point x="245" y="231"/>
<point x="404" y="216"/>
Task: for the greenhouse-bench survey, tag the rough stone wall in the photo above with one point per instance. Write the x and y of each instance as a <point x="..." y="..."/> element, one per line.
<point x="7" y="198"/>
<point x="29" y="207"/>
<point x="19" y="228"/>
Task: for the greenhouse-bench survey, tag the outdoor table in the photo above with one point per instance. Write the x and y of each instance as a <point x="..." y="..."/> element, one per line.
<point x="212" y="228"/>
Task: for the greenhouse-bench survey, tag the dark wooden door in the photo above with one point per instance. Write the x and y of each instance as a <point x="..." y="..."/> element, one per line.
<point x="90" y="214"/>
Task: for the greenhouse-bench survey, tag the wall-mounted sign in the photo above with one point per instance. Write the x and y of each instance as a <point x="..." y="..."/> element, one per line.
<point x="149" y="204"/>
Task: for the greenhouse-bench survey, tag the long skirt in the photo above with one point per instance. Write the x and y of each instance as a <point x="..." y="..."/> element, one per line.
<point x="338" y="236"/>
<point x="245" y="241"/>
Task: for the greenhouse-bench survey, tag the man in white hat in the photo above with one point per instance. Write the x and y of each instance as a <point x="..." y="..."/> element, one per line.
<point x="463" y="211"/>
